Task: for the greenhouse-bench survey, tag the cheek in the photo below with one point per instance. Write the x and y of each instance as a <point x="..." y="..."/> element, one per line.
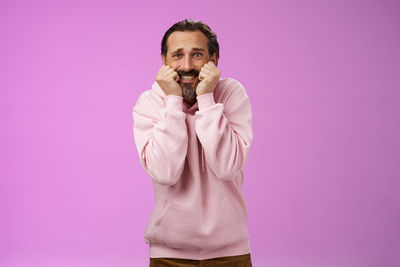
<point x="173" y="65"/>
<point x="202" y="63"/>
<point x="198" y="66"/>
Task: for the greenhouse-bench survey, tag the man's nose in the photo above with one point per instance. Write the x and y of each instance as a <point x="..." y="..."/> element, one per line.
<point x="187" y="64"/>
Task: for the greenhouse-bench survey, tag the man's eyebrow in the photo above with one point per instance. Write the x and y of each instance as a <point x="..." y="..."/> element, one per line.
<point x="177" y="50"/>
<point x="196" y="49"/>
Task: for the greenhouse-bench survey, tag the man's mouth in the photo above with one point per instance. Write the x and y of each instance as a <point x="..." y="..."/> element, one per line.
<point x="187" y="78"/>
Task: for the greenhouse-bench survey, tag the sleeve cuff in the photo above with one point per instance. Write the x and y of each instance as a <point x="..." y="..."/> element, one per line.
<point x="205" y="100"/>
<point x="174" y="102"/>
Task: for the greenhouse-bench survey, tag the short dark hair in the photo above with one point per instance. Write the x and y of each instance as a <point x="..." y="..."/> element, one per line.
<point x="192" y="25"/>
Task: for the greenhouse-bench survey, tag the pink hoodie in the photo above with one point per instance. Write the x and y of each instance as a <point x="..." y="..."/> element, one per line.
<point x="194" y="155"/>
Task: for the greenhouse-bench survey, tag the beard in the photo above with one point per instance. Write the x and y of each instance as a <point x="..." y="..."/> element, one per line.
<point x="189" y="89"/>
<point x="188" y="92"/>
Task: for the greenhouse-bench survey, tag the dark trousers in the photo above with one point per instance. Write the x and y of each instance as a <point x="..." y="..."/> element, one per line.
<point x="231" y="261"/>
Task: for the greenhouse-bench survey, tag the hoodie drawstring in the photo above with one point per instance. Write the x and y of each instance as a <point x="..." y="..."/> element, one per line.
<point x="202" y="159"/>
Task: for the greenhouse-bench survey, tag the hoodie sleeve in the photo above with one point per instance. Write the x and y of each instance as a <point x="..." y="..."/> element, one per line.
<point x="161" y="137"/>
<point x="225" y="130"/>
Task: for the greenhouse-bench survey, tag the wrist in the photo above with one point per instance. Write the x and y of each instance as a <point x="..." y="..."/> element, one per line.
<point x="173" y="93"/>
<point x="205" y="100"/>
<point x="174" y="102"/>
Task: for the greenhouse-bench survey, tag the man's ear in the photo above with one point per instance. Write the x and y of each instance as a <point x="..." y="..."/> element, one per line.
<point x="163" y="59"/>
<point x="214" y="59"/>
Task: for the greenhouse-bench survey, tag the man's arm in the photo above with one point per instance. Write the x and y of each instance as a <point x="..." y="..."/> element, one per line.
<point x="161" y="138"/>
<point x="225" y="130"/>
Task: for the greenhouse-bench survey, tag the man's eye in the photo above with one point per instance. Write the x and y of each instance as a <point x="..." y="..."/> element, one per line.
<point x="177" y="55"/>
<point x="197" y="55"/>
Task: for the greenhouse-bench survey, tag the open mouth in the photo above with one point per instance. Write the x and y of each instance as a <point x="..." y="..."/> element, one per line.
<point x="188" y="77"/>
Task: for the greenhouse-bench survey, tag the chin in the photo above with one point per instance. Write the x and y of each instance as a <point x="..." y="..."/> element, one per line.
<point x="189" y="91"/>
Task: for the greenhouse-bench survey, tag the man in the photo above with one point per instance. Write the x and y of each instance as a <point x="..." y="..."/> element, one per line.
<point x="193" y="133"/>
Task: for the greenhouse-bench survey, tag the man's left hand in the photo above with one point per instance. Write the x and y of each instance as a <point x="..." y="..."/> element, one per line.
<point x="209" y="76"/>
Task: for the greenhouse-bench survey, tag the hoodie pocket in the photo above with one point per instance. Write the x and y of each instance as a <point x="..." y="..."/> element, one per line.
<point x="212" y="226"/>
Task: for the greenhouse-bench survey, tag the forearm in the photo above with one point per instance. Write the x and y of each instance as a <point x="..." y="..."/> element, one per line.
<point x="162" y="145"/>
<point x="226" y="139"/>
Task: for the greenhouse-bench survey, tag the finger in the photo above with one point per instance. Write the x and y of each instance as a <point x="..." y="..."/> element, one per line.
<point x="205" y="73"/>
<point x="211" y="63"/>
<point x="173" y="76"/>
<point x="168" y="67"/>
<point x="211" y="67"/>
<point x="201" y="76"/>
<point x="168" y="71"/>
<point x="163" y="69"/>
<point x="207" y="67"/>
<point x="176" y="76"/>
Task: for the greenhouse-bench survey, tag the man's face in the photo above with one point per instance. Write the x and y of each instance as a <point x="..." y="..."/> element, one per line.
<point x="187" y="53"/>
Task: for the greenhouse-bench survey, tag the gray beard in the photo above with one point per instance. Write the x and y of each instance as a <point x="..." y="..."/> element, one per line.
<point x="189" y="91"/>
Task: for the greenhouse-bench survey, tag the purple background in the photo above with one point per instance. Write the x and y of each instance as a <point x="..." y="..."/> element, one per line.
<point x="322" y="178"/>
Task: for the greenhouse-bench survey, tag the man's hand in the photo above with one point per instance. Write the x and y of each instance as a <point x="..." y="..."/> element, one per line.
<point x="209" y="76"/>
<point x="168" y="79"/>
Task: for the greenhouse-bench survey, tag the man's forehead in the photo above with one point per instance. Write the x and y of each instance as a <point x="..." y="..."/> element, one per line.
<point x="194" y="40"/>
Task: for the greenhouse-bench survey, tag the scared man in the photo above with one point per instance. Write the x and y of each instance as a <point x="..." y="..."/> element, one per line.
<point x="193" y="132"/>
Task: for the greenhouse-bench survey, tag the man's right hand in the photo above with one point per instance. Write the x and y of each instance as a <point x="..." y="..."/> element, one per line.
<point x="168" y="79"/>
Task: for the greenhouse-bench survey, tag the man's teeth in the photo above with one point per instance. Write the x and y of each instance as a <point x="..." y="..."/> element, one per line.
<point x="187" y="77"/>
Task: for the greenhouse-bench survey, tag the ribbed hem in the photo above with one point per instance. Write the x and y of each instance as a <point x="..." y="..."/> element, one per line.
<point x="160" y="251"/>
<point x="174" y="102"/>
<point x="205" y="100"/>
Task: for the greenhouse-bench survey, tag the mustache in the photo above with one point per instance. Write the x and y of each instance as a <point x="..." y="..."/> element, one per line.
<point x="188" y="73"/>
